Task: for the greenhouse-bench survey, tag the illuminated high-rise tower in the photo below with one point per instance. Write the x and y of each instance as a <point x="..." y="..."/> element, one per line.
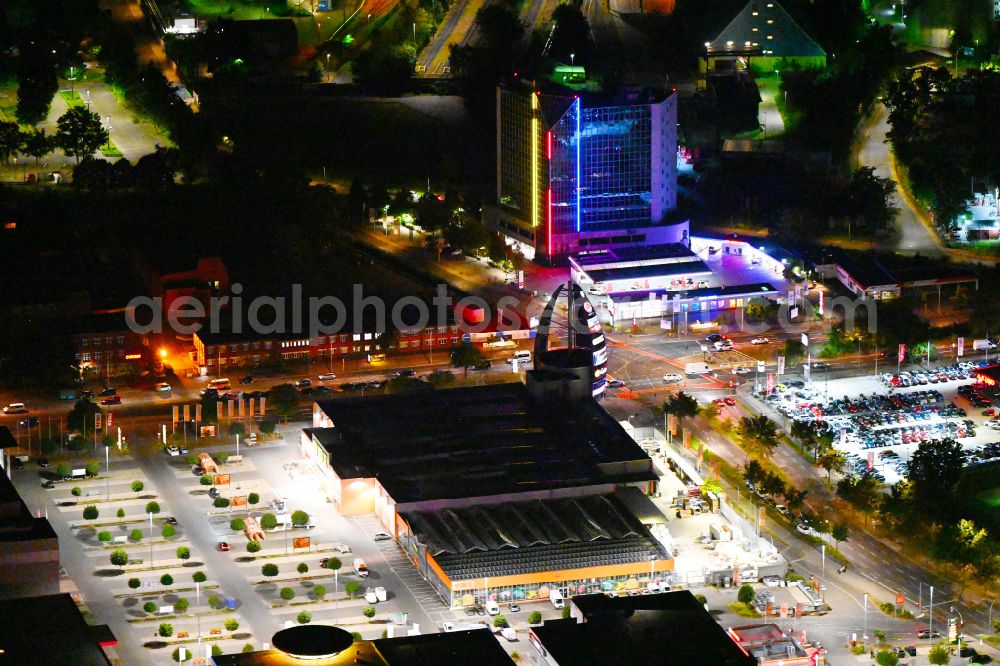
<point x="579" y="169"/>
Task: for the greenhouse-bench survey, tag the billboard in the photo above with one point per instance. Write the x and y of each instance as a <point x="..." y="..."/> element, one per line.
<point x="239" y="500"/>
<point x="221" y="480"/>
<point x="300" y="542"/>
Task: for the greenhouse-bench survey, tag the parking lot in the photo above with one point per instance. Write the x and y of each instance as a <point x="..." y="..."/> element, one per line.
<point x="880" y="421"/>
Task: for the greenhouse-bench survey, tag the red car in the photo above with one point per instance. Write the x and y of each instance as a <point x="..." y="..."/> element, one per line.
<point x="730" y="399"/>
<point x="112" y="400"/>
<point x="223" y="546"/>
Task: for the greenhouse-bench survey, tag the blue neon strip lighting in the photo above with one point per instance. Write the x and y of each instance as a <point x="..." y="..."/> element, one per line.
<point x="578" y="135"/>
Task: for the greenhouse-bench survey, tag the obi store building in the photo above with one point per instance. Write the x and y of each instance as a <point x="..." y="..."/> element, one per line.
<point x="503" y="492"/>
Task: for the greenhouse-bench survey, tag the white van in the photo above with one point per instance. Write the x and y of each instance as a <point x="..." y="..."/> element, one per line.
<point x="219" y="384"/>
<point x="15" y="408"/>
<point x="360" y="567"/>
<point x="492" y="607"/>
<point x="556" y="597"/>
<point x="522" y="356"/>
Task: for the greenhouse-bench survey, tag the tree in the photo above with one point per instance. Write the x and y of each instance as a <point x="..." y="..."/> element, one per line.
<point x="369" y="612"/>
<point x="302" y="567"/>
<point x="237" y="428"/>
<point x="682" y="406"/>
<point x="37" y="144"/>
<point x="534" y="617"/>
<point x="119" y="558"/>
<point x="76" y="491"/>
<point x="253" y="547"/>
<point x="213" y="601"/>
<point x="284" y="400"/>
<point x="237" y="524"/>
<point x="134" y="583"/>
<point x="149" y="606"/>
<point x="166" y="630"/>
<point x="759" y="435"/>
<point x="305" y="617"/>
<point x="287" y="593"/>
<point x="231" y="625"/>
<point x="269" y="570"/>
<point x="253" y="499"/>
<point x="183" y="553"/>
<point x="939" y="655"/>
<point x="120" y="513"/>
<point x="152" y="507"/>
<point x="166" y="579"/>
<point x="168" y="531"/>
<point x="90" y="512"/>
<point x="104" y="536"/>
<point x="216" y="651"/>
<point x="352" y="587"/>
<point x="135" y="535"/>
<point x="934" y="471"/>
<point x="267" y="427"/>
<point x="221" y="502"/>
<point x="199" y="577"/>
<point x="80" y="132"/>
<point x="300" y="518"/>
<point x="206" y="480"/>
<point x="319" y="591"/>
<point x="863" y="492"/>
<point x="248" y="647"/>
<point x="840" y="532"/>
<point x="137" y="486"/>
<point x="81" y="417"/>
<point x="745" y="594"/>
<point x="793" y="351"/>
<point x="832" y="461"/>
<point x="92" y="467"/>
<point x="268" y="521"/>
<point x="333" y="563"/>
<point x="886" y="658"/>
<point x="10" y="140"/>
<point x="465" y="356"/>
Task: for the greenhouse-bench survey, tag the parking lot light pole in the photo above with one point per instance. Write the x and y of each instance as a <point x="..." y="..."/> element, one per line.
<point x="865" y="634"/>
<point x="930" y="617"/>
<point x="150" y="539"/>
<point x="958" y="631"/>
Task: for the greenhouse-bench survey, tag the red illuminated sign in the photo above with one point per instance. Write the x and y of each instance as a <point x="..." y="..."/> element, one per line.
<point x="986" y="379"/>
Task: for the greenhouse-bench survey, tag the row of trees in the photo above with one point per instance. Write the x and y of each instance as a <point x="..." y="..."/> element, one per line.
<point x="80" y="134"/>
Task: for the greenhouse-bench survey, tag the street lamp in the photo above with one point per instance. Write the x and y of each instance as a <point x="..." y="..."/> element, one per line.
<point x="865" y="634"/>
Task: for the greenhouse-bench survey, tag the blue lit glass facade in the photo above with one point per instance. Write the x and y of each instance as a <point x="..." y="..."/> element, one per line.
<point x="616" y="161"/>
<point x="564" y="171"/>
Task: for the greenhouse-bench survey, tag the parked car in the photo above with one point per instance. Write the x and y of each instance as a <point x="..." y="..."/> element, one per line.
<point x="112" y="400"/>
<point x="162" y="387"/>
<point x="360" y="567"/>
<point x="174" y="451"/>
<point x="171" y="520"/>
<point x="327" y="376"/>
<point x="713" y="337"/>
<point x="616" y="383"/>
<point x="509" y="634"/>
<point x="381" y="594"/>
<point x="759" y="341"/>
<point x="303" y="383"/>
<point x="223" y="546"/>
<point x="370" y="596"/>
<point x="513" y="608"/>
<point x="213" y="492"/>
<point x="485" y="364"/>
<point x="381" y="536"/>
<point x="492" y="607"/>
<point x="672" y="377"/>
<point x="15" y="408"/>
<point x="108" y="391"/>
<point x="247" y="380"/>
<point x="48" y="484"/>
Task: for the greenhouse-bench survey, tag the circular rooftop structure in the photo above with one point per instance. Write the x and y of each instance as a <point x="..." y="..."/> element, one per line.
<point x="312" y="641"/>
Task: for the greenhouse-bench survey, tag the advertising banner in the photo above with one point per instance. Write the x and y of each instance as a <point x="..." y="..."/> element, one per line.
<point x="111" y="420"/>
<point x="961" y="346"/>
<point x="239" y="500"/>
<point x="300" y="542"/>
<point x="770" y="382"/>
<point x="97" y="420"/>
<point x="781" y="365"/>
<point x="221" y="480"/>
<point x="901" y="356"/>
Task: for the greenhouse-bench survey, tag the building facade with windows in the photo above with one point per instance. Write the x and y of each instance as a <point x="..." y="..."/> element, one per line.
<point x="579" y="168"/>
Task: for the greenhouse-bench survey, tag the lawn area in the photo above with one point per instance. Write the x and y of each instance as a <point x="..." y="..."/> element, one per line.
<point x="110" y="149"/>
<point x="72" y="98"/>
<point x="247" y="10"/>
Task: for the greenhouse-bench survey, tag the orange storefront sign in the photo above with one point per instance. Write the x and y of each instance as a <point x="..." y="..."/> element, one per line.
<point x="239" y="500"/>
<point x="221" y="479"/>
<point x="300" y="542"/>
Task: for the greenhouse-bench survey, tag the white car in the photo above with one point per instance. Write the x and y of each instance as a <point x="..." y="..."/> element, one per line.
<point x="173" y="450"/>
<point x="163" y="387"/>
<point x="509" y="634"/>
<point x="672" y="377"/>
<point x="723" y="345"/>
<point x="771" y="581"/>
<point x="370" y="596"/>
<point x="360" y="567"/>
<point x="381" y="594"/>
<point x="381" y="536"/>
<point x="15" y="408"/>
<point x="492" y="607"/>
<point x="759" y="341"/>
<point x="806" y="529"/>
<point x="327" y="376"/>
<point x="742" y="370"/>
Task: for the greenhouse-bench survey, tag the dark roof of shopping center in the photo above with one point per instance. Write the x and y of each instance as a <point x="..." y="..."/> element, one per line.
<point x="755" y="289"/>
<point x="668" y="629"/>
<point x="636" y="253"/>
<point x="50" y="630"/>
<point x="527" y="537"/>
<point x="477" y="441"/>
<point x="694" y="267"/>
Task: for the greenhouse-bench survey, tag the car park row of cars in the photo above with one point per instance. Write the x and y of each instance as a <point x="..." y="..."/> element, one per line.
<point x="940" y="374"/>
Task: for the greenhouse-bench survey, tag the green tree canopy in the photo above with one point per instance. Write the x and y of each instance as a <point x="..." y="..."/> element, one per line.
<point x="80" y="132"/>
